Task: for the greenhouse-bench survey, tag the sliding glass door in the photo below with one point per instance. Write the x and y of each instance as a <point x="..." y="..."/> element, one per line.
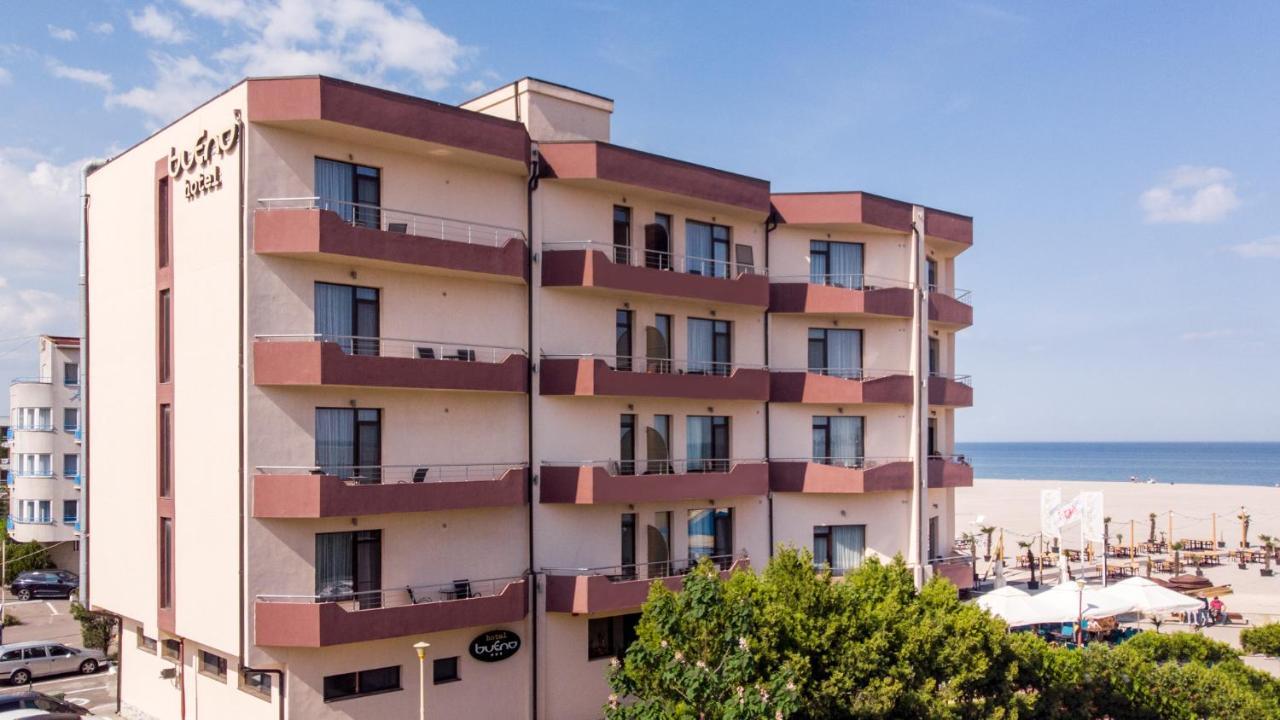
<point x="839" y="547"/>
<point x="710" y="343"/>
<point x="349" y="316"/>
<point x="352" y="191"/>
<point x="349" y="443"/>
<point x="837" y="440"/>
<point x="707" y="443"/>
<point x="837" y="353"/>
<point x="838" y="264"/>
<point x="711" y="535"/>
<point x="349" y="567"/>
<point x="707" y="249"/>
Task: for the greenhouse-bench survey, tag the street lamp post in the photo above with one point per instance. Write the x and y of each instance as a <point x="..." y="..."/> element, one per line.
<point x="421" y="647"/>
<point x="1080" y="614"/>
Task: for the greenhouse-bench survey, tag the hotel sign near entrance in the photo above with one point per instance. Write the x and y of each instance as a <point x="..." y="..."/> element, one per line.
<point x="193" y="162"/>
<point x="495" y="645"/>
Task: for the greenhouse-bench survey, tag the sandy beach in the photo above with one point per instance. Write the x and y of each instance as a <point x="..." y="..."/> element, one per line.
<point x="1197" y="511"/>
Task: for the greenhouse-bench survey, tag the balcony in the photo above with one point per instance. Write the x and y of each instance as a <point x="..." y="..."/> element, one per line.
<point x="313" y="621"/>
<point x="855" y="386"/>
<point x="950" y="307"/>
<point x="299" y="492"/>
<point x="314" y="360"/>
<point x="840" y="295"/>
<point x="864" y="474"/>
<point x="611" y="481"/>
<point x="958" y="569"/>
<point x="622" y="270"/>
<point x="583" y="591"/>
<point x="950" y="390"/>
<point x="75" y="480"/>
<point x="333" y="231"/>
<point x="609" y="376"/>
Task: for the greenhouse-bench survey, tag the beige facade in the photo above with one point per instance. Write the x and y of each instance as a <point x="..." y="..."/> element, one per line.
<point x="366" y="370"/>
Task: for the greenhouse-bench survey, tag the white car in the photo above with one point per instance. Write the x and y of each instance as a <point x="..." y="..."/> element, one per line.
<point x="19" y="662"/>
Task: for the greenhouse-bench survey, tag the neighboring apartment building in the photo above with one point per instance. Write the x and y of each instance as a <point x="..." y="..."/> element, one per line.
<point x="475" y="376"/>
<point x="44" y="441"/>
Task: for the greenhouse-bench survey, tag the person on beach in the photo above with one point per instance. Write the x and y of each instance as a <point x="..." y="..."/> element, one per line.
<point x="1217" y="609"/>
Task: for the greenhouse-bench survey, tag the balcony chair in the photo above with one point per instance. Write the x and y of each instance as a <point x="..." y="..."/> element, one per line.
<point x="398" y="227"/>
<point x="420" y="475"/>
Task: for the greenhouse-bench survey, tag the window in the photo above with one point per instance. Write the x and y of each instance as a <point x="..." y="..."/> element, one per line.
<point x="933" y="437"/>
<point x="349" y="565"/>
<point x="660" y="544"/>
<point x="931" y="274"/>
<point x="144" y="642"/>
<point x="711" y="535"/>
<point x="71" y="373"/>
<point x="213" y="665"/>
<point x="707" y="248"/>
<point x="622" y="235"/>
<point x="35" y="653"/>
<point x="364" y="682"/>
<point x="166" y="452"/>
<point x="839" y="547"/>
<point x="33" y="418"/>
<point x="349" y="316"/>
<point x="658" y="438"/>
<point x="838" y="264"/>
<point x="257" y="683"/>
<point x="444" y="670"/>
<point x="70" y="419"/>
<point x="707" y="443"/>
<point x="657" y="243"/>
<point x="172" y="649"/>
<point x="164" y="242"/>
<point x="627" y="444"/>
<point x="837" y="440"/>
<point x="60" y="651"/>
<point x="657" y="345"/>
<point x="70" y="511"/>
<point x="933" y="550"/>
<point x="166" y="563"/>
<point x="349" y="443"/>
<point x="35" y="465"/>
<point x="629" y="544"/>
<point x="623" y="322"/>
<point x="11" y="655"/>
<point x="610" y="636"/>
<point x="835" y="352"/>
<point x="352" y="191"/>
<point x="45" y="510"/>
<point x="710" y="342"/>
<point x="935" y="356"/>
<point x="70" y="465"/>
<point x="165" y="367"/>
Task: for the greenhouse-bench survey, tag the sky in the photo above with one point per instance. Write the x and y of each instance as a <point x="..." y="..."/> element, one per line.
<point x="1121" y="160"/>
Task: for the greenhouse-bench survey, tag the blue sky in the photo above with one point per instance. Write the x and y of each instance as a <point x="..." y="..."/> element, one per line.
<point x="1122" y="161"/>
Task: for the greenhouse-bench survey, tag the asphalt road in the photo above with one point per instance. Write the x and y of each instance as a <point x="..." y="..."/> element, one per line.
<point x="51" y="620"/>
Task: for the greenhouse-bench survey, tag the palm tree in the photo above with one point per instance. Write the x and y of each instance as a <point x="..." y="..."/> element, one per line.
<point x="1244" y="519"/>
<point x="987" y="530"/>
<point x="1177" y="558"/>
<point x="1031" y="562"/>
<point x="1269" y="543"/>
<point x="1151" y="537"/>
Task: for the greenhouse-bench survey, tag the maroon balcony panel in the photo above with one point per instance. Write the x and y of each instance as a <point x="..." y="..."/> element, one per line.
<point x="947" y="310"/>
<point x="843" y="208"/>
<point x="324" y="363"/>
<point x="953" y="227"/>
<point x="944" y="473"/>
<point x="593" y="269"/>
<point x="798" y="297"/>
<point x="804" y="387"/>
<point x="589" y="484"/>
<point x="959" y="573"/>
<point x="314" y="625"/>
<point x="810" y="477"/>
<point x="324" y="234"/>
<point x="584" y="594"/>
<point x="322" y="496"/>
<point x="594" y="377"/>
<point x="945" y="391"/>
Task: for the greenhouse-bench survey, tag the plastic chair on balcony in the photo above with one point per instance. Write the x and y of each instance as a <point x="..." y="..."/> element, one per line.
<point x="426" y="353"/>
<point x="461" y="590"/>
<point x="466" y="354"/>
<point x="420" y="475"/>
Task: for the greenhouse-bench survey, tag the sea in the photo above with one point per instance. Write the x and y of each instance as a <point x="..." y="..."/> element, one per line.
<point x="1210" y="463"/>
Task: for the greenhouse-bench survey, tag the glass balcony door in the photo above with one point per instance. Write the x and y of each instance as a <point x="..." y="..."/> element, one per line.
<point x="349" y="443"/>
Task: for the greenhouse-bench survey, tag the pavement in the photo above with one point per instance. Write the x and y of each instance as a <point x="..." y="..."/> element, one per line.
<point x="51" y="620"/>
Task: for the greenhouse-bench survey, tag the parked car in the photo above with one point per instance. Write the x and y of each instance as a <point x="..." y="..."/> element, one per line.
<point x="44" y="583"/>
<point x="32" y="714"/>
<point x="32" y="700"/>
<point x="19" y="662"/>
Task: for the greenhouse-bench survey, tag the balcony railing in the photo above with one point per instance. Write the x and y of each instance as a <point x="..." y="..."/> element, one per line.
<point x="343" y="596"/>
<point x="647" y="571"/>
<point x="958" y="294"/>
<point x="661" y="260"/>
<point x="34" y="379"/>
<point x="403" y="348"/>
<point x="852" y="463"/>
<point x="660" y="365"/>
<point x="375" y="217"/>
<point x="622" y="587"/>
<point x="34" y="521"/>
<point x="33" y="428"/>
<point x="649" y="466"/>
<point x="356" y="475"/>
<point x="34" y="473"/>
<point x="845" y="281"/>
<point x="862" y="374"/>
<point x="966" y="380"/>
<point x="75" y="479"/>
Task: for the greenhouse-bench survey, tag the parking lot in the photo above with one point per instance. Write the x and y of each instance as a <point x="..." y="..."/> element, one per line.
<point x="51" y="620"/>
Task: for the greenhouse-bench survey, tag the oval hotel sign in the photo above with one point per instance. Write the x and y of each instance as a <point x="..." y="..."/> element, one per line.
<point x="495" y="645"/>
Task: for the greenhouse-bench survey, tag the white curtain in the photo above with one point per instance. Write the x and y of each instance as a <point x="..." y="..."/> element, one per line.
<point x="334" y="186"/>
<point x="335" y="440"/>
<point x="698" y="442"/>
<point x="335" y="569"/>
<point x="848" y="546"/>
<point x="701" y="352"/>
<point x="697" y="248"/>
<point x="846" y="265"/>
<point x="846" y="439"/>
<point x="334" y="316"/>
<point x="844" y="353"/>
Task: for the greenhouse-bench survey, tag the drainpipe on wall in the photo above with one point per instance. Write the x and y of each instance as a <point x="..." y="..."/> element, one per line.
<point x="919" y="398"/>
<point x="535" y="168"/>
<point x="770" y="224"/>
<point x="85" y="171"/>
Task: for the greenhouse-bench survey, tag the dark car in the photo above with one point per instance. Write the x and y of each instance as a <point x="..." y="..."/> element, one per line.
<point x="44" y="583"/>
<point x="39" y="701"/>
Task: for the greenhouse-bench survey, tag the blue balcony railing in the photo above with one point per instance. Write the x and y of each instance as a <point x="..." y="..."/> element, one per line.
<point x="75" y="479"/>
<point x="8" y="523"/>
<point x="33" y="428"/>
<point x="8" y="433"/>
<point x="79" y="434"/>
<point x="35" y="473"/>
<point x="77" y="526"/>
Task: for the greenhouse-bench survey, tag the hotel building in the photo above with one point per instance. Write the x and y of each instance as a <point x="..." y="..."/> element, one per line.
<point x="353" y="385"/>
<point x="44" y="440"/>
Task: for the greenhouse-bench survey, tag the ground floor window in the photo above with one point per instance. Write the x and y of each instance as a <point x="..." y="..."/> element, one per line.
<point x="256" y="683"/>
<point x="610" y="636"/>
<point x="839" y="547"/>
<point x="363" y="682"/>
<point x="146" y="643"/>
<point x="172" y="649"/>
<point x="444" y="670"/>
<point x="213" y="665"/>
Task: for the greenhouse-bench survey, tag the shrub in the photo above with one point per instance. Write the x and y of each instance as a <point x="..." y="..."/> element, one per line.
<point x="1262" y="640"/>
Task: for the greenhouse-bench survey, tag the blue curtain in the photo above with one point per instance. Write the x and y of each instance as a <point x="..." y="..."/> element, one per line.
<point x="335" y="440"/>
<point x="697" y="248"/>
<point x="334" y="314"/>
<point x="335" y="183"/>
<point x="848" y="546"/>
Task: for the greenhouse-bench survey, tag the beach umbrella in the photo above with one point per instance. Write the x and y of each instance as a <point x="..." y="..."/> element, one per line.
<point x="1147" y="596"/>
<point x="1014" y="606"/>
<point x="1063" y="602"/>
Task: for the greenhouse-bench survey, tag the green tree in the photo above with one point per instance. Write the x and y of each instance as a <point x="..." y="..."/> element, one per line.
<point x="1262" y="640"/>
<point x="96" y="629"/>
<point x="21" y="557"/>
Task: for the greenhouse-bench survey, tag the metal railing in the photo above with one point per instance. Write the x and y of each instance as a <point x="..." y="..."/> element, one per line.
<point x="955" y="293"/>
<point x="957" y="459"/>
<point x="660" y="259"/>
<point x="399" y="474"/>
<point x="344" y="594"/>
<point x="660" y="366"/>
<point x="403" y="348"/>
<point x="406" y="222"/>
<point x="962" y="379"/>
<point x="34" y="379"/>
<point x="34" y="428"/>
<point x="846" y="281"/>
<point x="844" y="373"/>
<point x="852" y="463"/>
<point x="658" y="466"/>
<point x="34" y="473"/>
<point x="647" y="571"/>
<point x="33" y="521"/>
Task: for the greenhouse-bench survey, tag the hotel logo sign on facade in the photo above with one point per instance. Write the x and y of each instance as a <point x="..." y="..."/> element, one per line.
<point x="195" y="163"/>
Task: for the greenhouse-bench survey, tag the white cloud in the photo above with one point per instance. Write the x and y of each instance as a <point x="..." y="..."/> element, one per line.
<point x="61" y="33"/>
<point x="33" y="311"/>
<point x="102" y="28"/>
<point x="223" y="10"/>
<point x="1201" y="335"/>
<point x="1264" y="248"/>
<point x="1191" y="194"/>
<point x="6" y="77"/>
<point x="181" y="84"/>
<point x="158" y="26"/>
<point x="96" y="78"/>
